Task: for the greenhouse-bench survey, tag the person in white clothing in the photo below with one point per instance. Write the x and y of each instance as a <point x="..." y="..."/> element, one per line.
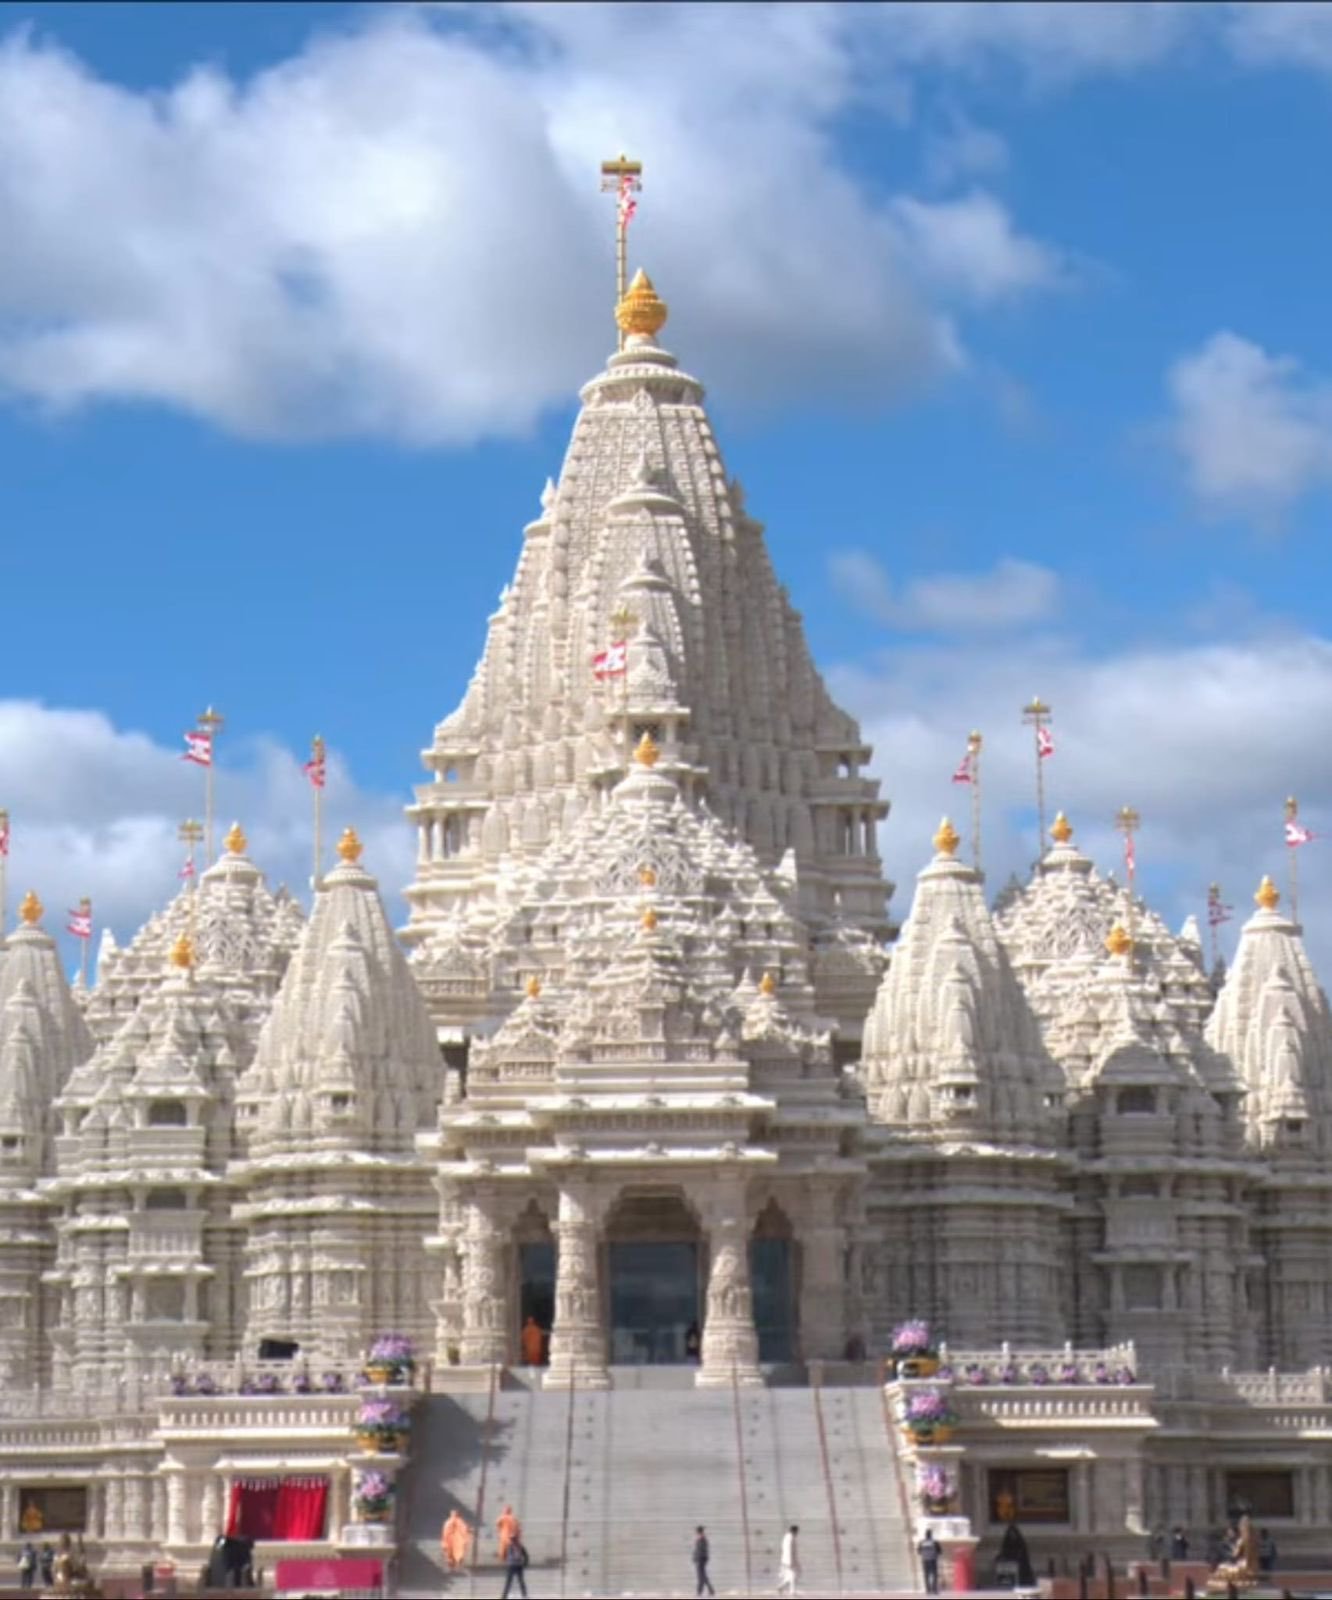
<point x="790" y="1562"/>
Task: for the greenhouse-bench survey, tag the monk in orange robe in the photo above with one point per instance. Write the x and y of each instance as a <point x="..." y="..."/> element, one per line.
<point x="455" y="1540"/>
<point x="508" y="1528"/>
<point x="534" y="1342"/>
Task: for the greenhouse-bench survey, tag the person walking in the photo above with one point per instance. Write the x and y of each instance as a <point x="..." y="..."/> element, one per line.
<point x="515" y="1566"/>
<point x="1267" y="1552"/>
<point x="1179" y="1544"/>
<point x="702" y="1555"/>
<point x="27" y="1565"/>
<point x="534" y="1344"/>
<point x="929" y="1550"/>
<point x="508" y="1529"/>
<point x="454" y="1539"/>
<point x="788" y="1572"/>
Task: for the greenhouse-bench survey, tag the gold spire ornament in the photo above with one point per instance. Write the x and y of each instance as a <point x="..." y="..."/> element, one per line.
<point x="30" y="909"/>
<point x="641" y="310"/>
<point x="1118" y="942"/>
<point x="1061" y="829"/>
<point x="182" y="953"/>
<point x="350" y="846"/>
<point x="1268" y="896"/>
<point x="649" y="920"/>
<point x="768" y="985"/>
<point x="947" y="839"/>
<point x="647" y="752"/>
<point x="647" y="876"/>
<point x="533" y="988"/>
<point x="236" y="843"/>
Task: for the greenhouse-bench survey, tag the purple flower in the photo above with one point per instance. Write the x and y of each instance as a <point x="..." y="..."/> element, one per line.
<point x="180" y="1385"/>
<point x="331" y="1383"/>
<point x="301" y="1384"/>
<point x="383" y="1416"/>
<point x="935" y="1484"/>
<point x="1100" y="1373"/>
<point x="373" y="1486"/>
<point x="1039" y="1373"/>
<point x="912" y="1338"/>
<point x="1068" y="1372"/>
<point x="929" y="1406"/>
<point x="392" y="1349"/>
<point x="975" y="1373"/>
<point x="204" y="1385"/>
<point x="1008" y="1373"/>
<point x="1124" y="1375"/>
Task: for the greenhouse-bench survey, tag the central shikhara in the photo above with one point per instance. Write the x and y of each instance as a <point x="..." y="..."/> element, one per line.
<point x="648" y="1072"/>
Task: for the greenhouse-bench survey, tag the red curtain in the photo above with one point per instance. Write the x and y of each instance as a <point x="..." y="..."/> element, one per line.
<point x="283" y="1509"/>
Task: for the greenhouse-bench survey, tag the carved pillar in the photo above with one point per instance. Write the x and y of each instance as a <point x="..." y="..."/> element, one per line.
<point x="211" y="1508"/>
<point x="730" y="1342"/>
<point x="578" y="1339"/>
<point x="823" y="1285"/>
<point x="485" y="1321"/>
<point x="175" y="1507"/>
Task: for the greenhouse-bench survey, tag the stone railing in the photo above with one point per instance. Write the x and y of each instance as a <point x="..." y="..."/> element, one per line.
<point x="1271" y="1388"/>
<point x="1006" y="1367"/>
<point x="263" y="1378"/>
<point x="292" y="1415"/>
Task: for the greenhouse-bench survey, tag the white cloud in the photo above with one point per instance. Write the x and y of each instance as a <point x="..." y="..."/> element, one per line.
<point x="94" y="811"/>
<point x="1205" y="740"/>
<point x="1015" y="594"/>
<point x="1253" y="432"/>
<point x="397" y="231"/>
<point x="1282" y="32"/>
<point x="964" y="149"/>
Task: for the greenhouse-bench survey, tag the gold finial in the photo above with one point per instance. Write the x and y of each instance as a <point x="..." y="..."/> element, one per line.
<point x="1061" y="829"/>
<point x="768" y="985"/>
<point x="30" y="909"/>
<point x="350" y="846"/>
<point x="947" y="839"/>
<point x="648" y="752"/>
<point x="533" y="987"/>
<point x="182" y="952"/>
<point x="647" y="876"/>
<point x="649" y="919"/>
<point x="235" y="841"/>
<point x="641" y="311"/>
<point x="1117" y="941"/>
<point x="1268" y="895"/>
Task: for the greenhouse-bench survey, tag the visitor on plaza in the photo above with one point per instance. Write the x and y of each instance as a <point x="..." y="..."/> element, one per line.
<point x="1267" y="1552"/>
<point x="1179" y="1544"/>
<point x="509" y="1530"/>
<point x="788" y="1573"/>
<point x="702" y="1555"/>
<point x="455" y="1540"/>
<point x="46" y="1559"/>
<point x="27" y="1565"/>
<point x="928" y="1550"/>
<point x="515" y="1566"/>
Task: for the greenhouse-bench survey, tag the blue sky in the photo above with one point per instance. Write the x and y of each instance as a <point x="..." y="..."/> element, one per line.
<point x="1014" y="325"/>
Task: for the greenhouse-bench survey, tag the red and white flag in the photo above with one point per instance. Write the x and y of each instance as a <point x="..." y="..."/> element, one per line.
<point x="1044" y="742"/>
<point x="198" y="747"/>
<point x="80" y="924"/>
<point x="964" y="773"/>
<point x="4" y="834"/>
<point x="613" y="661"/>
<point x="1216" y="912"/>
<point x="187" y="871"/>
<point x="316" y="769"/>
<point x="1297" y="834"/>
<point x="627" y="205"/>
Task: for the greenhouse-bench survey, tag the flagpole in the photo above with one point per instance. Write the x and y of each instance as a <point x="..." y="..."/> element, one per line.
<point x="318" y="770"/>
<point x="1293" y="851"/>
<point x="189" y="833"/>
<point x="621" y="177"/>
<point x="974" y="743"/>
<point x="4" y="869"/>
<point x="85" y="909"/>
<point x="1213" y="912"/>
<point x="1036" y="716"/>
<point x="1128" y="822"/>
<point x="211" y="722"/>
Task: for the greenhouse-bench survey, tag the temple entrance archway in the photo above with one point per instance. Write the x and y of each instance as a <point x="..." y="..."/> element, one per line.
<point x="654" y="1276"/>
<point x="772" y="1273"/>
<point x="535" y="1249"/>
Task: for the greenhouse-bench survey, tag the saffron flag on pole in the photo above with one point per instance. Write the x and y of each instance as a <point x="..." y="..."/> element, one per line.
<point x="80" y="923"/>
<point x="198" y="747"/>
<point x="1217" y="913"/>
<point x="1044" y="742"/>
<point x="964" y="773"/>
<point x="316" y="769"/>
<point x="628" y="206"/>
<point x="613" y="661"/>
<point x="1297" y="834"/>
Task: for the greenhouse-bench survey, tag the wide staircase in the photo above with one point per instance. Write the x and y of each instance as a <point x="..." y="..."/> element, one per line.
<point x="609" y="1486"/>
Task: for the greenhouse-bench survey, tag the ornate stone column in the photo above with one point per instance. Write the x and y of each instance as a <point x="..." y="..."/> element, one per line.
<point x="485" y="1320"/>
<point x="578" y="1339"/>
<point x="823" y="1282"/>
<point x="730" y="1341"/>
<point x="176" y="1533"/>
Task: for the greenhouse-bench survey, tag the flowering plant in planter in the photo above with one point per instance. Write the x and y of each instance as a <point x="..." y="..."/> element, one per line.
<point x="391" y="1359"/>
<point x="332" y="1383"/>
<point x="914" y="1350"/>
<point x="1124" y="1375"/>
<point x="381" y="1424"/>
<point x="372" y="1496"/>
<point x="1039" y="1373"/>
<point x="302" y="1383"/>
<point x="263" y="1383"/>
<point x="975" y="1374"/>
<point x="180" y="1385"/>
<point x="203" y="1384"/>
<point x="936" y="1489"/>
<point x="1100" y="1373"/>
<point x="928" y="1414"/>
<point x="1068" y="1372"/>
<point x="1009" y="1373"/>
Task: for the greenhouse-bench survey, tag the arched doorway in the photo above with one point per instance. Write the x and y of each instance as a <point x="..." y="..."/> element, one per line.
<point x="654" y="1267"/>
<point x="772" y="1276"/>
<point x="536" y="1271"/>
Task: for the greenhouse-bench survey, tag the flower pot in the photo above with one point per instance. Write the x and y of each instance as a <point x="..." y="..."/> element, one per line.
<point x="930" y="1432"/>
<point x="379" y="1372"/>
<point x="379" y="1514"/>
<point x="917" y="1366"/>
<point x="368" y="1442"/>
<point x="939" y="1507"/>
